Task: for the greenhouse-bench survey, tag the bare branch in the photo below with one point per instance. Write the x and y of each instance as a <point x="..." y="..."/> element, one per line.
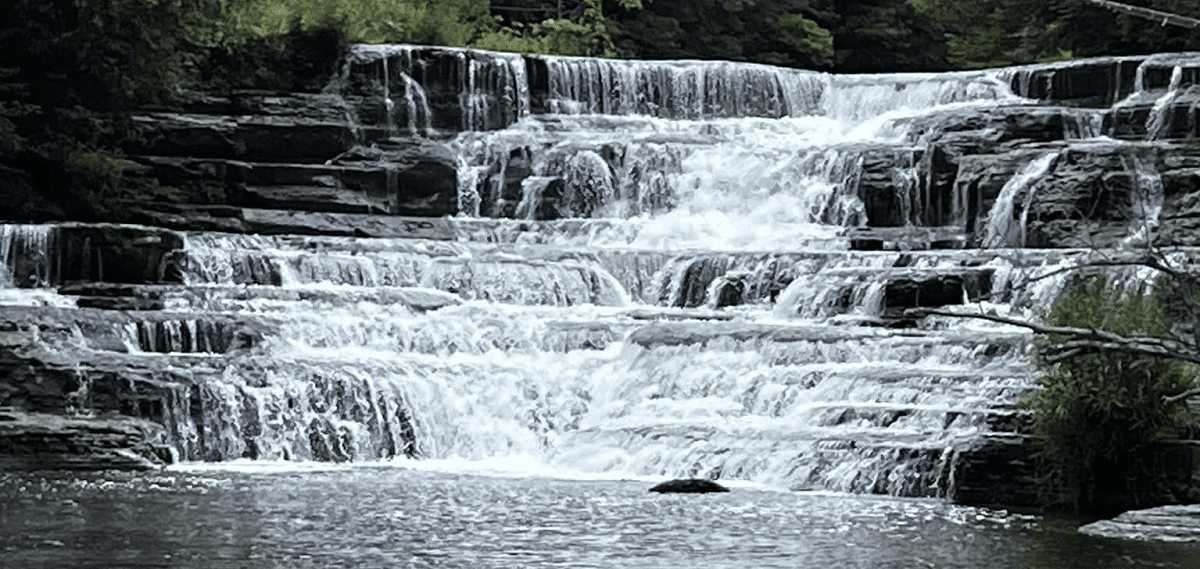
<point x="1084" y="338"/>
<point x="1177" y="398"/>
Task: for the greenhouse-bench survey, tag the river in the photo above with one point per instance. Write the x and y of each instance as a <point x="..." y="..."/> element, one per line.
<point x="408" y="515"/>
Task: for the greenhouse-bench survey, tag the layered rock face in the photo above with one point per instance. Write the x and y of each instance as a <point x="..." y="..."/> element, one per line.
<point x="384" y="139"/>
<point x="680" y="269"/>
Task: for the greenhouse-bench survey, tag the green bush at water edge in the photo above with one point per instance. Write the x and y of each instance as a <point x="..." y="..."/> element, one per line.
<point x="1098" y="413"/>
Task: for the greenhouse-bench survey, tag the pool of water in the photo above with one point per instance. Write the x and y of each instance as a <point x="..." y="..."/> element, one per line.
<point x="388" y="516"/>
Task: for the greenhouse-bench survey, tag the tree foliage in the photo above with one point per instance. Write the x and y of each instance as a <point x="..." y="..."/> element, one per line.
<point x="991" y="33"/>
<point x="782" y="32"/>
<point x="1099" y="412"/>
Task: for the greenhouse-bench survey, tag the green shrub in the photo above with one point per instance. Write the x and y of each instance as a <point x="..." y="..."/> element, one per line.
<point x="101" y="169"/>
<point x="1099" y="412"/>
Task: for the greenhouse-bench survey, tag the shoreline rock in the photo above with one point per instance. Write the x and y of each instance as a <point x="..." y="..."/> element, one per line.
<point x="1180" y="524"/>
<point x="41" y="441"/>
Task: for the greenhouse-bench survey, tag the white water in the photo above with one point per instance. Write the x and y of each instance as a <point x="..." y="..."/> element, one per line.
<point x="1004" y="227"/>
<point x="691" y="307"/>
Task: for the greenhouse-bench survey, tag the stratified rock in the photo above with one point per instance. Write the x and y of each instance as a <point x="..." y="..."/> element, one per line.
<point x="689" y="486"/>
<point x="1092" y="82"/>
<point x="930" y="291"/>
<point x="887" y="187"/>
<point x="110" y="253"/>
<point x="39" y="441"/>
<point x="263" y="138"/>
<point x="281" y="222"/>
<point x="1165" y="523"/>
<point x="399" y="88"/>
<point x="113" y="253"/>
<point x="997" y="469"/>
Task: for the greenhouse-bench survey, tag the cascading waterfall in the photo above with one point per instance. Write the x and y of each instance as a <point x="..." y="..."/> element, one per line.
<point x="857" y="99"/>
<point x="1005" y="228"/>
<point x="1148" y="202"/>
<point x="657" y="269"/>
<point x="25" y="255"/>
<point x="681" y="90"/>
<point x="1160" y="114"/>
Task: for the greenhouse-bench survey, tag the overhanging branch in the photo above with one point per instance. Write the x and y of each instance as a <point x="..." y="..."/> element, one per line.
<point x="1080" y="339"/>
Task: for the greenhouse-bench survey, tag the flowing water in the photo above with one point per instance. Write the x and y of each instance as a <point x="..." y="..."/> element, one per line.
<point x="653" y="276"/>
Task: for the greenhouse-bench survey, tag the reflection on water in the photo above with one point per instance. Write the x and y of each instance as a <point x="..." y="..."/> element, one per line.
<point x="378" y="516"/>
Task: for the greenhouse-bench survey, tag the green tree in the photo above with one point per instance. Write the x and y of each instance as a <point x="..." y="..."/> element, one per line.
<point x="886" y="36"/>
<point x="780" y="32"/>
<point x="1099" y="412"/>
<point x="579" y="28"/>
<point x="991" y="33"/>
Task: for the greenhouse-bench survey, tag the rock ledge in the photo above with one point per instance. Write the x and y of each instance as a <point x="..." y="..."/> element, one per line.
<point x="1165" y="523"/>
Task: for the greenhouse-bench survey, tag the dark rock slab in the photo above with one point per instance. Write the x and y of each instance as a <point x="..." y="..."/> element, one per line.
<point x="997" y="470"/>
<point x="311" y="198"/>
<point x="293" y="222"/>
<point x="110" y="253"/>
<point x="262" y="138"/>
<point x="113" y="253"/>
<point x="1165" y="523"/>
<point x="922" y="289"/>
<point x="689" y="486"/>
<point x="1092" y="83"/>
<point x="280" y="222"/>
<point x="40" y="441"/>
<point x="393" y="87"/>
<point x="420" y="176"/>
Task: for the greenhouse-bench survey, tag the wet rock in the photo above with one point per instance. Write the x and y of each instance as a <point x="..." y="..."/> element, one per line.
<point x="109" y="253"/>
<point x="888" y="187"/>
<point x="114" y="296"/>
<point x="689" y="486"/>
<point x="1165" y="523"/>
<point x="940" y="290"/>
<point x="997" y="470"/>
<point x="401" y="88"/>
<point x="292" y="222"/>
<point x="113" y="253"/>
<point x="262" y="138"/>
<point x="1091" y="83"/>
<point x="39" y="441"/>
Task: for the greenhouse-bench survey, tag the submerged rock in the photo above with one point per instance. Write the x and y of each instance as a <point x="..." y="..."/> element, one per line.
<point x="1165" y="523"/>
<point x="689" y="486"/>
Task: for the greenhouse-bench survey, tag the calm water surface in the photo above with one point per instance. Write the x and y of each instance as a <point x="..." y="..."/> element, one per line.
<point x="382" y="516"/>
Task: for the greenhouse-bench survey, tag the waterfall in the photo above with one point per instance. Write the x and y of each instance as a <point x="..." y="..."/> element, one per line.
<point x="490" y="92"/>
<point x="1148" y="202"/>
<point x="667" y="269"/>
<point x="1083" y="124"/>
<point x="1001" y="231"/>
<point x="680" y="90"/>
<point x="25" y="255"/>
<point x="1160" y="115"/>
<point x="858" y="98"/>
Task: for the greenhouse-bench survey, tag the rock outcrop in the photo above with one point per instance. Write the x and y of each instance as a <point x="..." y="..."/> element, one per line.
<point x="688" y="486"/>
<point x="1179" y="524"/>
<point x="41" y="441"/>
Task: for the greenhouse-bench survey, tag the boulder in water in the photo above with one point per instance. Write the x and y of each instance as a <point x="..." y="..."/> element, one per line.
<point x="689" y="486"/>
